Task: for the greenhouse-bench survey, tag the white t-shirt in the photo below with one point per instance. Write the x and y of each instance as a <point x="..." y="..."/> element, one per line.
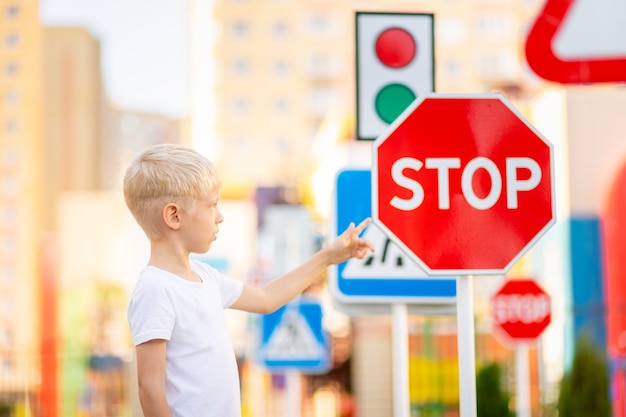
<point x="201" y="370"/>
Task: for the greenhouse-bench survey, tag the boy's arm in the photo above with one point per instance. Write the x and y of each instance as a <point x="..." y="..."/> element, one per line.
<point x="281" y="290"/>
<point x="151" y="375"/>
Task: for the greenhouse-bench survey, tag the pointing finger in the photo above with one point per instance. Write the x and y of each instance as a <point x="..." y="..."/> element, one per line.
<point x="363" y="225"/>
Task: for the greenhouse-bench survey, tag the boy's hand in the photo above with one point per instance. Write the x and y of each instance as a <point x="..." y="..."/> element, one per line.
<point x="350" y="245"/>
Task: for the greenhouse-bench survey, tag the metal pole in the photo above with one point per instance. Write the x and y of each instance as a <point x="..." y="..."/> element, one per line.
<point x="465" y="345"/>
<point x="294" y="393"/>
<point x="400" y="359"/>
<point x="523" y="380"/>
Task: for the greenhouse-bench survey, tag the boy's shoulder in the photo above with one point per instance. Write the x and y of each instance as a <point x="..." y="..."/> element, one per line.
<point x="151" y="277"/>
<point x="200" y="265"/>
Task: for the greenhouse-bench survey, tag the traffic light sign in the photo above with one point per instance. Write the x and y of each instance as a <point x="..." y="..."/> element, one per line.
<point x="395" y="65"/>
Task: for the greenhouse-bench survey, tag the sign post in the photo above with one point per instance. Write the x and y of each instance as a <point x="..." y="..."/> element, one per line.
<point x="400" y="358"/>
<point x="521" y="312"/>
<point x="464" y="185"/>
<point x="466" y="345"/>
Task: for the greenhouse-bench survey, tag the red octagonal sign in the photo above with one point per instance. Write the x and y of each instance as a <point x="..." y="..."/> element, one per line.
<point x="463" y="183"/>
<point x="521" y="309"/>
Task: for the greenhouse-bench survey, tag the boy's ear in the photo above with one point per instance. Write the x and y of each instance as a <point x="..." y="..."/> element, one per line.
<point x="171" y="215"/>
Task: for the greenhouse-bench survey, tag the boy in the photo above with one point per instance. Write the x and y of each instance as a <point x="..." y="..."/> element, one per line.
<point x="185" y="360"/>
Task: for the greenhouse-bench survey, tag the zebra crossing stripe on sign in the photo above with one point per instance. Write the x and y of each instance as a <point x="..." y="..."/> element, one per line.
<point x="388" y="261"/>
<point x="293" y="339"/>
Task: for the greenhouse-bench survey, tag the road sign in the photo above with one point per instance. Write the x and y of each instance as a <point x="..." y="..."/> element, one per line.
<point x="394" y="63"/>
<point x="387" y="275"/>
<point x="293" y="338"/>
<point x="521" y="309"/>
<point x="579" y="41"/>
<point x="463" y="183"/>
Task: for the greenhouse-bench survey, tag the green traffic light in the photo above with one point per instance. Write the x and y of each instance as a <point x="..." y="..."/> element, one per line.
<point x="392" y="100"/>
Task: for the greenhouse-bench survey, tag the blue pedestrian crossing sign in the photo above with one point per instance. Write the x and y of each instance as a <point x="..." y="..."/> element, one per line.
<point x="387" y="275"/>
<point x="292" y="338"/>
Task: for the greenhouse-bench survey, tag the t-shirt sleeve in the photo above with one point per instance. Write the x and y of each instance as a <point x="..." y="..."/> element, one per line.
<point x="230" y="288"/>
<point x="150" y="312"/>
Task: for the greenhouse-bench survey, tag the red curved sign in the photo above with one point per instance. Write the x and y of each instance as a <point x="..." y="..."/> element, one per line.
<point x="547" y="64"/>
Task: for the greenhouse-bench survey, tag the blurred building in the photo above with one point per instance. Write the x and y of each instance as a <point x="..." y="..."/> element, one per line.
<point x="125" y="133"/>
<point x="21" y="156"/>
<point x="74" y="102"/>
<point x="88" y="143"/>
<point x="59" y="137"/>
<point x="283" y="66"/>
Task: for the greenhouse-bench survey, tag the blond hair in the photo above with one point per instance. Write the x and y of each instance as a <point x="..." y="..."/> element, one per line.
<point x="163" y="174"/>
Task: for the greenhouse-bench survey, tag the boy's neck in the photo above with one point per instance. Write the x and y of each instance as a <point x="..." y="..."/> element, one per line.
<point x="171" y="259"/>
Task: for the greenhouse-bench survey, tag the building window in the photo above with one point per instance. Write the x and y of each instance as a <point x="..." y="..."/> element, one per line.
<point x="12" y="10"/>
<point x="240" y="67"/>
<point x="498" y="66"/>
<point x="11" y="98"/>
<point x="281" y="106"/>
<point x="8" y="307"/>
<point x="240" y="29"/>
<point x="322" y="99"/>
<point x="11" y="158"/>
<point x="280" y="29"/>
<point x="322" y="65"/>
<point x="282" y="145"/>
<point x="451" y="30"/>
<point x="11" y="40"/>
<point x="8" y="275"/>
<point x="8" y="247"/>
<point x="320" y="24"/>
<point x="487" y="66"/>
<point x="11" y="68"/>
<point x="495" y="25"/>
<point x="7" y="365"/>
<point x="239" y="146"/>
<point x="452" y="69"/>
<point x="6" y="338"/>
<point x="10" y="187"/>
<point x="10" y="126"/>
<point x="9" y="216"/>
<point x="280" y="67"/>
<point x="241" y="106"/>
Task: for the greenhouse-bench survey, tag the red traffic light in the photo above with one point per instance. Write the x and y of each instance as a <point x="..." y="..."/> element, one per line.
<point x="395" y="47"/>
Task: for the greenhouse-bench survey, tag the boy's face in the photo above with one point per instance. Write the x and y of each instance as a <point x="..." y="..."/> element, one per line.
<point x="200" y="223"/>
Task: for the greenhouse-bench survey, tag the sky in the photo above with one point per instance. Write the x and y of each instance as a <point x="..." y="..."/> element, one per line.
<point x="144" y="45"/>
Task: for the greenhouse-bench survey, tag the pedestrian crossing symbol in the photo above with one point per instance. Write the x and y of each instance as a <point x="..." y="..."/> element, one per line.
<point x="388" y="261"/>
<point x="293" y="338"/>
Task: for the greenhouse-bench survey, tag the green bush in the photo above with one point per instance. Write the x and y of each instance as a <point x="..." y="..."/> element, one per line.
<point x="585" y="387"/>
<point x="491" y="399"/>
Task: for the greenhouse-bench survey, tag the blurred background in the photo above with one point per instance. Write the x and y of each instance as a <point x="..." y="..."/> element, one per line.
<point x="267" y="90"/>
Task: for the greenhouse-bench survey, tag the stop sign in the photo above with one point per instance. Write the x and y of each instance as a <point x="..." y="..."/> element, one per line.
<point x="463" y="183"/>
<point x="521" y="309"/>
